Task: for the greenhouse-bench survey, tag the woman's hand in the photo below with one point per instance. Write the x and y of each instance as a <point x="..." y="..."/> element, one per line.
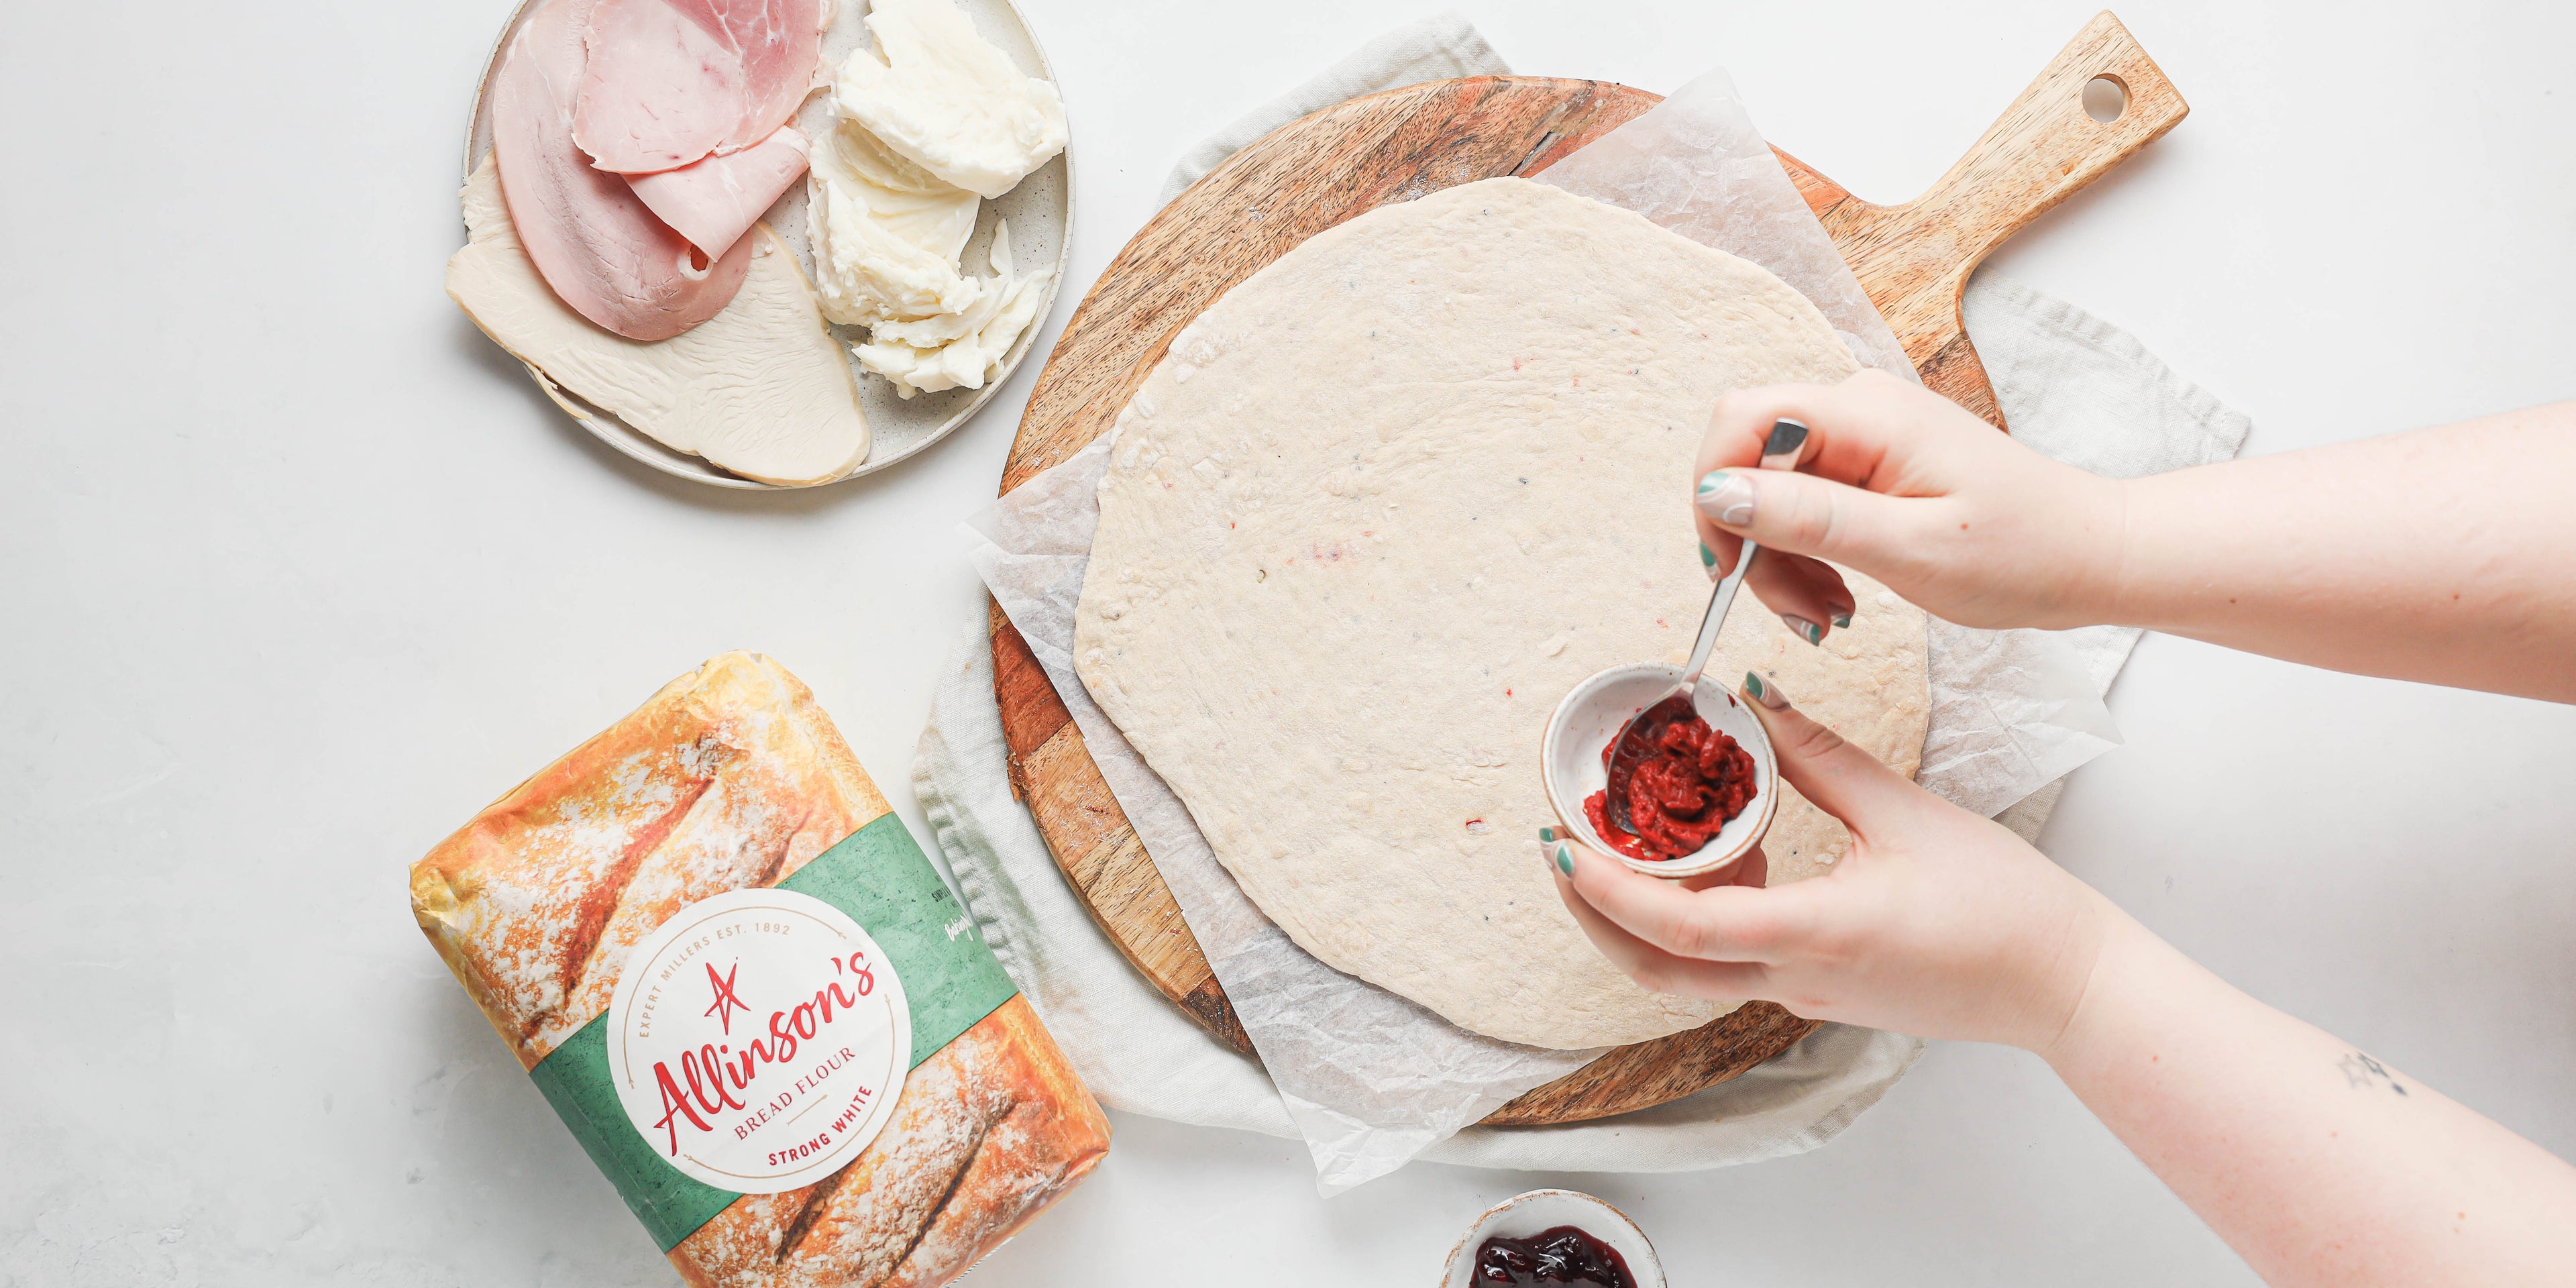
<point x="2317" y="1161"/>
<point x="1902" y="484"/>
<point x="2444" y="555"/>
<point x="1937" y="923"/>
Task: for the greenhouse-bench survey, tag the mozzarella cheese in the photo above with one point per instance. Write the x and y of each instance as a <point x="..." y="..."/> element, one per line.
<point x="964" y="348"/>
<point x="760" y="388"/>
<point x="885" y="233"/>
<point x="950" y="102"/>
<point x="886" y="236"/>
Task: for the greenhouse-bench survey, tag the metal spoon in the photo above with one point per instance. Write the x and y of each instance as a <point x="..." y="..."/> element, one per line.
<point x="1638" y="737"/>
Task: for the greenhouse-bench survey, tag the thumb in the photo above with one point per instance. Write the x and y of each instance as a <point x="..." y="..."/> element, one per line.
<point x="1841" y="779"/>
<point x="1805" y="515"/>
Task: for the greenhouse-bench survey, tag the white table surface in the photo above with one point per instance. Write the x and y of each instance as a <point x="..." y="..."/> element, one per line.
<point x="300" y="571"/>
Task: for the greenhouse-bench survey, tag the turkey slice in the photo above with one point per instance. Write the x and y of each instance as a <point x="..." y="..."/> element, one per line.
<point x="760" y="388"/>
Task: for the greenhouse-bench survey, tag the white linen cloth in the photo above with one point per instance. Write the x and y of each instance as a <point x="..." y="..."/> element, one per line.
<point x="2072" y="386"/>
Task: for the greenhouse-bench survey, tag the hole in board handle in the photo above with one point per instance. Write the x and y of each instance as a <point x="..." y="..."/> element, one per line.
<point x="2105" y="98"/>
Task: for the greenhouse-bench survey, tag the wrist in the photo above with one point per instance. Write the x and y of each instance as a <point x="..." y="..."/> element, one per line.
<point x="2040" y="997"/>
<point x="2106" y="1001"/>
<point x="2106" y="557"/>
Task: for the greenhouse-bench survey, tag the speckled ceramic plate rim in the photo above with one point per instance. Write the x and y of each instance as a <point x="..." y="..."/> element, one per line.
<point x="641" y="447"/>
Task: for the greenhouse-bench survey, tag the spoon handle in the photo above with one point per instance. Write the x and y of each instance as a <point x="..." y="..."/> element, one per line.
<point x="1779" y="453"/>
<point x="1718" y="602"/>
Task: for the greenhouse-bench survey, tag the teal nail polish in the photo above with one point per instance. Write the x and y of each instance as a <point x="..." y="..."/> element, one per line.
<point x="1547" y="834"/>
<point x="1805" y="630"/>
<point x="1565" y="860"/>
<point x="1765" y="692"/>
<point x="1842" y="621"/>
<point x="1726" y="497"/>
<point x="1707" y="557"/>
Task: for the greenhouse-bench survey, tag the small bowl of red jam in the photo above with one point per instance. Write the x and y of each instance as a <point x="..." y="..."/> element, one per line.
<point x="1553" y="1239"/>
<point x="1702" y="796"/>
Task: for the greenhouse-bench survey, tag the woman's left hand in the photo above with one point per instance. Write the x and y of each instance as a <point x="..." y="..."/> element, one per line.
<point x="1937" y="923"/>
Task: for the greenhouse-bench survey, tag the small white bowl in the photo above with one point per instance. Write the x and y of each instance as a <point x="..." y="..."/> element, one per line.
<point x="1523" y="1215"/>
<point x="1594" y="713"/>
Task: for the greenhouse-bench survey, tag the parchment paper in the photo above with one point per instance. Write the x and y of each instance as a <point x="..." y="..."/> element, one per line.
<point x="1371" y="1079"/>
<point x="1696" y="165"/>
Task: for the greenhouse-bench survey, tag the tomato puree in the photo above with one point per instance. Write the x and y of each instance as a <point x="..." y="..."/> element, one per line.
<point x="1680" y="794"/>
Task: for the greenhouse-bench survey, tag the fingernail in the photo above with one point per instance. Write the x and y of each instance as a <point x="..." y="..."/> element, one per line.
<point x="1766" y="692"/>
<point x="1552" y="852"/>
<point x="1842" y="620"/>
<point x="1727" y="497"/>
<point x="1708" y="561"/>
<point x="1787" y="436"/>
<point x="1806" y="630"/>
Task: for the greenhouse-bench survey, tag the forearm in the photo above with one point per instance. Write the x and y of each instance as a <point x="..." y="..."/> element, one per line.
<point x="2317" y="1163"/>
<point x="2446" y="555"/>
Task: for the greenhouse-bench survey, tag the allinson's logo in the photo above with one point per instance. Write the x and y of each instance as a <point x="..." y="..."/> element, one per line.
<point x="792" y="1097"/>
<point x="723" y="1007"/>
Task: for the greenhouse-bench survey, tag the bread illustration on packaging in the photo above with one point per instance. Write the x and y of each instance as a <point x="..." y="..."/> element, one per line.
<point x="741" y="984"/>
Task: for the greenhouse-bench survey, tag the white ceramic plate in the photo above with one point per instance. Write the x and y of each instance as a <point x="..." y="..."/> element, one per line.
<point x="1040" y="211"/>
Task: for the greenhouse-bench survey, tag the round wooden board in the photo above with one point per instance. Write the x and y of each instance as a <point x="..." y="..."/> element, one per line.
<point x="1307" y="176"/>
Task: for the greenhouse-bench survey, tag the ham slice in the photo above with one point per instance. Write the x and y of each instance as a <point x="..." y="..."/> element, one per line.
<point x="673" y="81"/>
<point x="713" y="201"/>
<point x="597" y="244"/>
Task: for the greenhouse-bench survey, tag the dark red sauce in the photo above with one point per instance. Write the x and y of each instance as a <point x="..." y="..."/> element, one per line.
<point x="1679" y="795"/>
<point x="1563" y="1255"/>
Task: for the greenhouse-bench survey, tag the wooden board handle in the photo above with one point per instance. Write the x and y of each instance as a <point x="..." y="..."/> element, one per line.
<point x="2045" y="146"/>
<point x="1914" y="259"/>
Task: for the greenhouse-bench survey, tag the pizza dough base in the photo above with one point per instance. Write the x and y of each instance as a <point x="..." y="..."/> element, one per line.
<point x="1382" y="505"/>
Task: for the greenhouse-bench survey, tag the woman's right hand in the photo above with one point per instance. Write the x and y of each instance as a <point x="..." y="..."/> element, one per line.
<point x="1904" y="485"/>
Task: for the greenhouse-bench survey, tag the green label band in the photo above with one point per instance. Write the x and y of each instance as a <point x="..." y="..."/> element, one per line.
<point x="880" y="877"/>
